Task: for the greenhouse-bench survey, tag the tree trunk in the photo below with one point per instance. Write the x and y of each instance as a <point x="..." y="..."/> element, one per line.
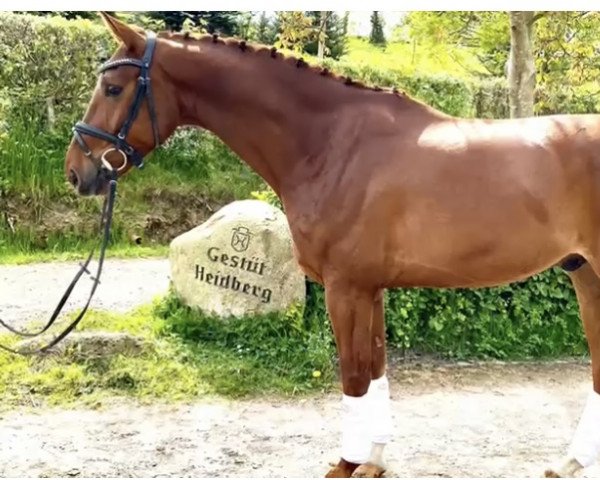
<point x="521" y="65"/>
<point x="321" y="37"/>
<point x="51" y="113"/>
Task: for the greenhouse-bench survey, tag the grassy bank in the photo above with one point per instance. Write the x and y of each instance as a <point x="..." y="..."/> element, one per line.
<point x="186" y="355"/>
<point x="182" y="184"/>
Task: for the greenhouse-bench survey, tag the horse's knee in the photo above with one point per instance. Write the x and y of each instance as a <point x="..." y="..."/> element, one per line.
<point x="356" y="376"/>
<point x="357" y="385"/>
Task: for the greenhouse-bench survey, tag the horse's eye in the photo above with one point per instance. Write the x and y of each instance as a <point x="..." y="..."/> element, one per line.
<point x="113" y="90"/>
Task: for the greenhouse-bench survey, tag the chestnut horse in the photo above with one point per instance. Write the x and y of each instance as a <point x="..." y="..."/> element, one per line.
<point x="379" y="190"/>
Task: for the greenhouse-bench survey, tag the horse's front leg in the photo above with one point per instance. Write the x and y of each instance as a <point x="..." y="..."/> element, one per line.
<point x="585" y="446"/>
<point x="357" y="318"/>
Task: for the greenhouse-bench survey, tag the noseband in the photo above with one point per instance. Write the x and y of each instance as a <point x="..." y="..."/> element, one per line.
<point x="119" y="141"/>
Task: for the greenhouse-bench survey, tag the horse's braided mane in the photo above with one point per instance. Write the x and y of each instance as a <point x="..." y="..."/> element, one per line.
<point x="272" y="52"/>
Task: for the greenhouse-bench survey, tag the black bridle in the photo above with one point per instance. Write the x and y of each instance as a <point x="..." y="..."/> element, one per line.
<point x="143" y="91"/>
<point x="130" y="154"/>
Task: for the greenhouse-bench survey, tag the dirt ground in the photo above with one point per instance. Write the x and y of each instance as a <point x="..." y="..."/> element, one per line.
<point x="465" y="421"/>
<point x="31" y="291"/>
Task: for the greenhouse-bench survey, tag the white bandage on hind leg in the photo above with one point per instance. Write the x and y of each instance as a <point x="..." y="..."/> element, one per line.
<point x="356" y="438"/>
<point x="585" y="447"/>
<point x="381" y="416"/>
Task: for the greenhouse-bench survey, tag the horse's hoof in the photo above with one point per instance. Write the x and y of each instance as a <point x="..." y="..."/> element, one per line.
<point x="551" y="474"/>
<point x="368" y="470"/>
<point x="568" y="468"/>
<point x="343" y="469"/>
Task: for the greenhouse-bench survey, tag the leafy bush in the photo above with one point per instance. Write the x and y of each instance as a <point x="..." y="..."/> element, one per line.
<point x="490" y="98"/>
<point x="448" y="94"/>
<point x="538" y="318"/>
<point x="50" y="59"/>
<point x="296" y="344"/>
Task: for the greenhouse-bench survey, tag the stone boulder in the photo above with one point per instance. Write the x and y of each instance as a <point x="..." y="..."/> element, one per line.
<point x="239" y="262"/>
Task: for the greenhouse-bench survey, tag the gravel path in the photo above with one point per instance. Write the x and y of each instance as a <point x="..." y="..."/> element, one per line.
<point x="30" y="291"/>
<point x="489" y="421"/>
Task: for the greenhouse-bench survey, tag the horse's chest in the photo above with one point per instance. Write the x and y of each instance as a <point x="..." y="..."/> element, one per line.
<point x="308" y="246"/>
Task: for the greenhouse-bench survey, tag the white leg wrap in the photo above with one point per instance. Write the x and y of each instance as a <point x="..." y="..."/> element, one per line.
<point x="585" y="447"/>
<point x="379" y="404"/>
<point x="356" y="439"/>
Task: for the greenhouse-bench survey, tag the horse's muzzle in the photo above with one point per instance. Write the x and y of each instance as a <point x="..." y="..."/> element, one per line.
<point x="94" y="184"/>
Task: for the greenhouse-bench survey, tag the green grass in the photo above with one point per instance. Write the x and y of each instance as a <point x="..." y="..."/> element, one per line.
<point x="182" y="184"/>
<point x="188" y="355"/>
<point x="32" y="164"/>
<point x="411" y="58"/>
<point x="17" y="256"/>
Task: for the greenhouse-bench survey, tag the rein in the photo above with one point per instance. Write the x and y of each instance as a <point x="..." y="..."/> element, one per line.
<point x="129" y="154"/>
<point x="105" y="224"/>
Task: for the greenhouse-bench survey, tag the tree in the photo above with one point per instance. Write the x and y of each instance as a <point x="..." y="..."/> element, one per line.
<point x="486" y="34"/>
<point x="566" y="56"/>
<point x="330" y="37"/>
<point x="265" y="31"/>
<point x="564" y="47"/>
<point x="377" y="37"/>
<point x="245" y="25"/>
<point x="295" y="30"/>
<point x="225" y="23"/>
<point x="69" y="15"/>
<point x="322" y="33"/>
<point x="521" y="65"/>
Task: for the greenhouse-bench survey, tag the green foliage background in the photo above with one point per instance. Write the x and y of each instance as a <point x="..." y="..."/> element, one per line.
<point x="43" y="58"/>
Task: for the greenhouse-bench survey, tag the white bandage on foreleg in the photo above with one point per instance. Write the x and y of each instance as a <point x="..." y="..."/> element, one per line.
<point x="585" y="447"/>
<point x="356" y="438"/>
<point x="381" y="416"/>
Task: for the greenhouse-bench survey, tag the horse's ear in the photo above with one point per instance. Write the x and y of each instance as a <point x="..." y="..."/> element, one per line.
<point x="132" y="37"/>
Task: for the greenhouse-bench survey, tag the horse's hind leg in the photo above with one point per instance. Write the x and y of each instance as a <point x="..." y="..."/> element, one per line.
<point x="585" y="446"/>
<point x="351" y="311"/>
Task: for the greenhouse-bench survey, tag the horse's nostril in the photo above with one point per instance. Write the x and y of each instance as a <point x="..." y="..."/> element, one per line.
<point x="73" y="178"/>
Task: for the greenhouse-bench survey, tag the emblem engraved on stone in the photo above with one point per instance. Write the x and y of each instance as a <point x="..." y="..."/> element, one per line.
<point x="240" y="240"/>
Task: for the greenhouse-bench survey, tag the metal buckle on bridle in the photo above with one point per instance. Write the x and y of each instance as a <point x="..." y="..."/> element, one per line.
<point x="108" y="165"/>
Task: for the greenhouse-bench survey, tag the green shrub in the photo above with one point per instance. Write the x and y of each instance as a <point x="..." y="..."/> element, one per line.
<point x="450" y="95"/>
<point x="552" y="100"/>
<point x="294" y="344"/>
<point x="490" y="98"/>
<point x="538" y="318"/>
<point x="50" y="59"/>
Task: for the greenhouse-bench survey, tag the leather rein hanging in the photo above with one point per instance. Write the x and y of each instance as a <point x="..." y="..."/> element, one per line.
<point x="129" y="154"/>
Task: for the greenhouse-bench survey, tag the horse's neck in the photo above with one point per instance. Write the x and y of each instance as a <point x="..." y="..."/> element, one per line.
<point x="272" y="114"/>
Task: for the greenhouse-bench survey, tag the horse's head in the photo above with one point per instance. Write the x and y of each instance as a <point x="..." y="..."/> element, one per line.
<point x="128" y="116"/>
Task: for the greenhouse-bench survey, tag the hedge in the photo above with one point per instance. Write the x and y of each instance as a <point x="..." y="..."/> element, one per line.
<point x="49" y="59"/>
<point x="52" y="58"/>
